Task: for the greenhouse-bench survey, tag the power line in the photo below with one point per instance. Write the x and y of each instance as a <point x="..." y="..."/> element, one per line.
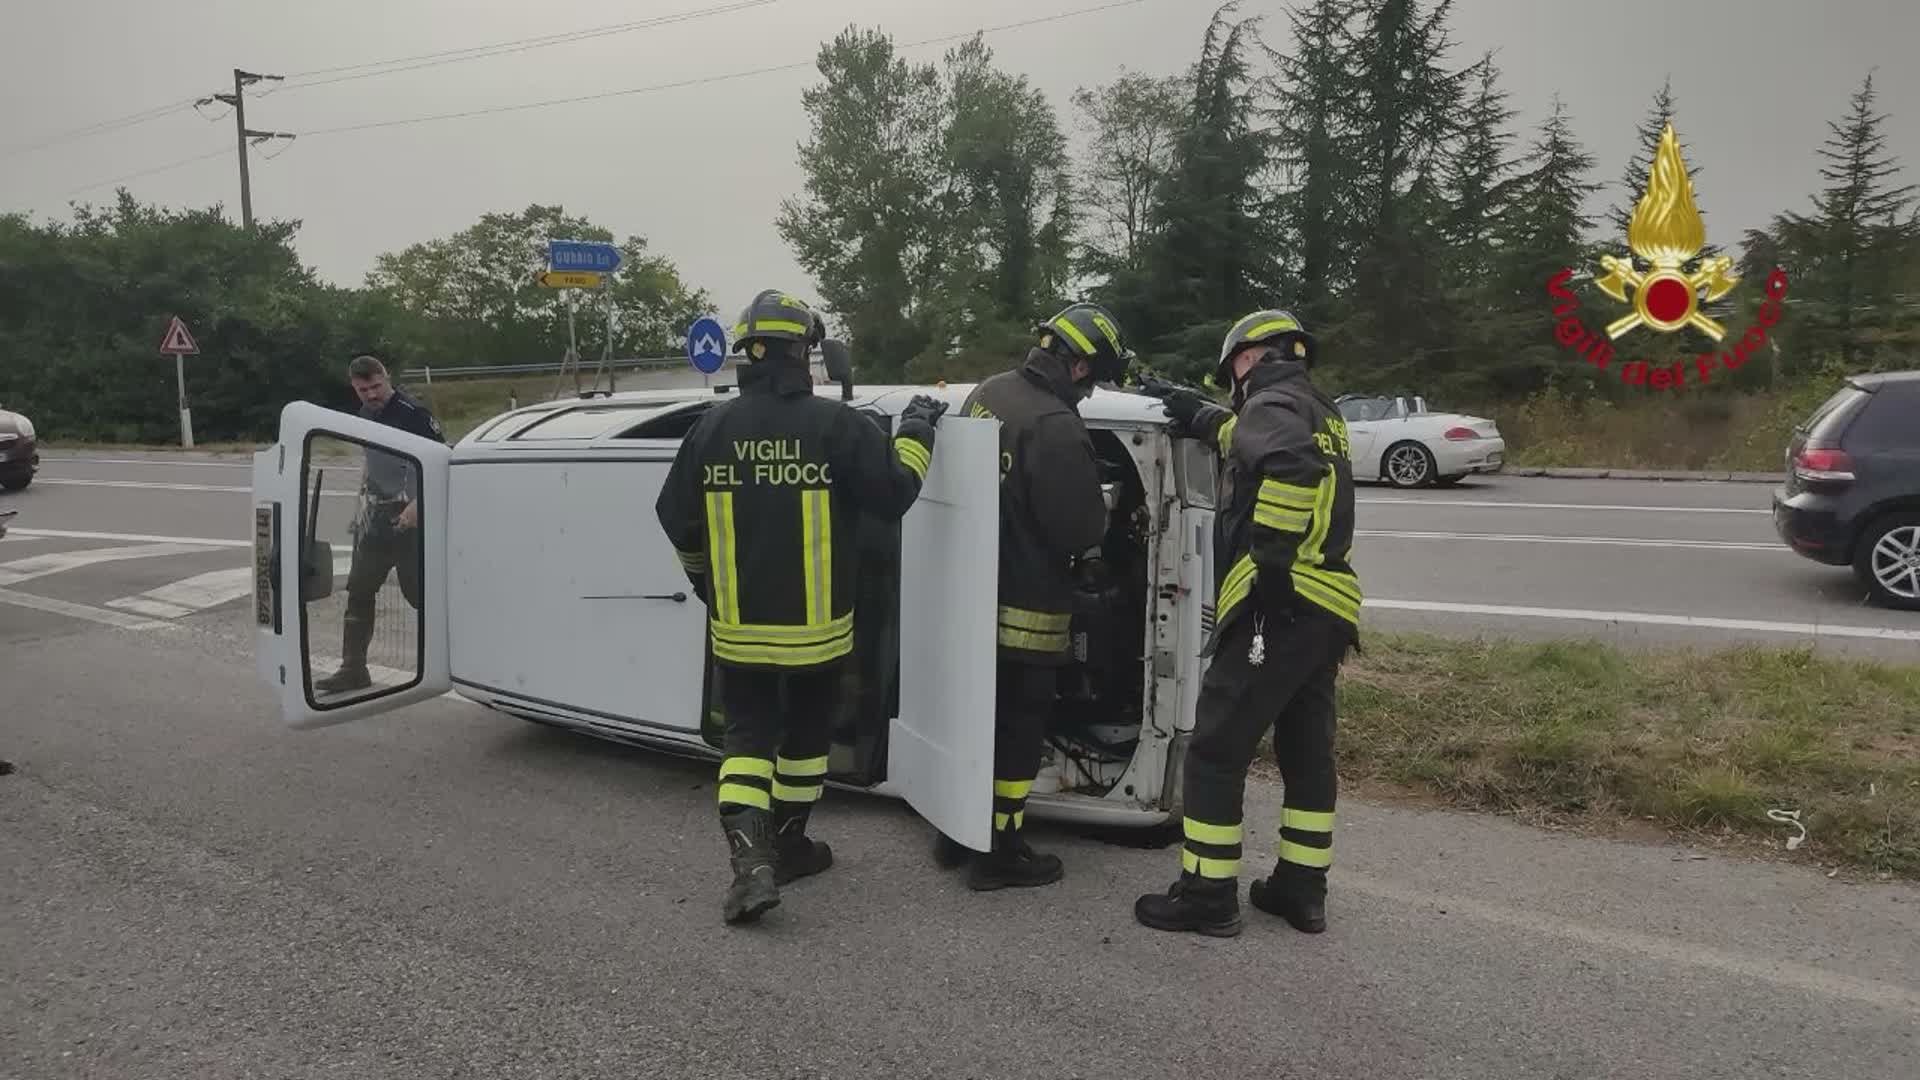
<point x="101" y="127"/>
<point x="706" y="79"/>
<point x="156" y="169"/>
<point x="304" y="80"/>
<point x="388" y="67"/>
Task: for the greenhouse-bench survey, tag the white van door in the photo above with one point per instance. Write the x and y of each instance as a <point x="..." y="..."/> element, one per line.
<point x="940" y="747"/>
<point x="349" y="548"/>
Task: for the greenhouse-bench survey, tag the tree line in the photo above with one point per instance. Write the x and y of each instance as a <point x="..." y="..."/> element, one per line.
<point x="1353" y="172"/>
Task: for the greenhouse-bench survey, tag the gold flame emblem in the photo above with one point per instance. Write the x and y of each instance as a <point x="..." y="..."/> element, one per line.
<point x="1666" y="231"/>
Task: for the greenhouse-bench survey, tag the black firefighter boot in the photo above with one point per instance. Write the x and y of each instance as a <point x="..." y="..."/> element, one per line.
<point x="754" y="891"/>
<point x="796" y="854"/>
<point x="1297" y="894"/>
<point x="1209" y="906"/>
<point x="1012" y="862"/>
<point x="355" y="636"/>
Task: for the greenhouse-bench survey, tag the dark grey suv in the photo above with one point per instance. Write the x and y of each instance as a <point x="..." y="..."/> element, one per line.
<point x="1852" y="496"/>
<point x="19" y="454"/>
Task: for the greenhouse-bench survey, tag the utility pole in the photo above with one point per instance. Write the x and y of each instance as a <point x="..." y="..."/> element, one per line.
<point x="237" y="99"/>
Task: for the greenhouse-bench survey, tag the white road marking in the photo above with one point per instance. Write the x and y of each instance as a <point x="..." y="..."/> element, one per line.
<point x="182" y="464"/>
<point x="1622" y="541"/>
<point x="1498" y="505"/>
<point x="120" y="619"/>
<point x="1695" y="622"/>
<point x="188" y="595"/>
<point x="19" y="570"/>
<point x="68" y="534"/>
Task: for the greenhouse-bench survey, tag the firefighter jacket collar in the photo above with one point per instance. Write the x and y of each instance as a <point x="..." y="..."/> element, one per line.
<point x="1054" y="373"/>
<point x="1274" y="368"/>
<point x="782" y="378"/>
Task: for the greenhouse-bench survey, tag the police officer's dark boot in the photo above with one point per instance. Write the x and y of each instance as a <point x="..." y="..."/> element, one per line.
<point x="796" y="855"/>
<point x="1209" y="906"/>
<point x="1297" y="894"/>
<point x="754" y="891"/>
<point x="1012" y="862"/>
<point x="355" y="636"/>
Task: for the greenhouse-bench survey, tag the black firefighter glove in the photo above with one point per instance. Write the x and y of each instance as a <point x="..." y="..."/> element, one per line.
<point x="1186" y="407"/>
<point x="919" y="417"/>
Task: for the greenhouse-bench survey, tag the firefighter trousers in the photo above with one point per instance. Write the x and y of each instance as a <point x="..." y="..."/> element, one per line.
<point x="1023" y="702"/>
<point x="1293" y="694"/>
<point x="777" y="733"/>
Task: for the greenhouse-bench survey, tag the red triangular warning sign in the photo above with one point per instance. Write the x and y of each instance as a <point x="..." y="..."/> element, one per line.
<point x="178" y="341"/>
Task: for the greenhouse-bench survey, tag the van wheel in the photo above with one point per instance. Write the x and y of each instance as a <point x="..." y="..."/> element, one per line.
<point x="1408" y="465"/>
<point x="1887" y="561"/>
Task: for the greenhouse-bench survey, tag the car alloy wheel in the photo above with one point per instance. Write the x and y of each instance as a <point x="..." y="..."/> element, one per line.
<point x="1409" y="465"/>
<point x="1895" y="561"/>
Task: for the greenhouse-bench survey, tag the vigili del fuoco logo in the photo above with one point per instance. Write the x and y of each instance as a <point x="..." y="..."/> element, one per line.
<point x="1666" y="233"/>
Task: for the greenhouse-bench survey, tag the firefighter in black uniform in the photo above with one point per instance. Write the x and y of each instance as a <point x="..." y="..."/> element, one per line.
<point x="1052" y="519"/>
<point x="1286" y="611"/>
<point x="761" y="505"/>
<point x="385" y="541"/>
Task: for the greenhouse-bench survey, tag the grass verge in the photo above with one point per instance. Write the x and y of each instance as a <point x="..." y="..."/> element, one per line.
<point x="1691" y="740"/>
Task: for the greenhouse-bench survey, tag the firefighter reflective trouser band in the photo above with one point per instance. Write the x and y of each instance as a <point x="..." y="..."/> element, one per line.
<point x="1238" y="703"/>
<point x="1035" y="631"/>
<point x="1024" y="694"/>
<point x="775" y="757"/>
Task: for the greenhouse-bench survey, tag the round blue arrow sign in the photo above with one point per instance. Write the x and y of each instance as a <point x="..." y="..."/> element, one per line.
<point x="706" y="345"/>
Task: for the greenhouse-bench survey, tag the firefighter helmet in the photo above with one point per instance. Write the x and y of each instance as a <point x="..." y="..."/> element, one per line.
<point x="1271" y="327"/>
<point x="1088" y="332"/>
<point x="778" y="316"/>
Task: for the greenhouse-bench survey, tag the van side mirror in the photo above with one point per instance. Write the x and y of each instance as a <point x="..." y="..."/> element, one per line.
<point x="839" y="363"/>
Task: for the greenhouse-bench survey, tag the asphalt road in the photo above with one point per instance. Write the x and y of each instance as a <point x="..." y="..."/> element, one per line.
<point x="190" y="890"/>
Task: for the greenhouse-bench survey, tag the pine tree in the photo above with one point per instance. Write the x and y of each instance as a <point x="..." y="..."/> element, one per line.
<point x="1314" y="123"/>
<point x="1852" y="246"/>
<point x="1479" y="185"/>
<point x="1545" y="230"/>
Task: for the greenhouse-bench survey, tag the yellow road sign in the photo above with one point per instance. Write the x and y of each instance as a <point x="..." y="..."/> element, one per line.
<point x="568" y="279"/>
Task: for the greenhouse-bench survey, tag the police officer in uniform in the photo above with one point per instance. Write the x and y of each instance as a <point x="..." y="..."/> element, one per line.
<point x="1052" y="519"/>
<point x="385" y="541"/>
<point x="761" y="505"/>
<point x="1286" y="612"/>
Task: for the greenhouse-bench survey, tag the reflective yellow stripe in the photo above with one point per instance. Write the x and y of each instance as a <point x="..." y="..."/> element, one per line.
<point x="1322" y="519"/>
<point x="1282" y="520"/>
<point x="1002" y="821"/>
<point x="1306" y="820"/>
<point x="1283" y="495"/>
<point x="788" y="325"/>
<point x="1206" y="833"/>
<point x="1224" y="436"/>
<point x="1302" y="855"/>
<point x="693" y="560"/>
<point x="1043" y="621"/>
<point x="783" y="655"/>
<point x="747" y="766"/>
<point x="1272" y="326"/>
<point x="1317" y="593"/>
<point x="1012" y="789"/>
<point x="789" y="793"/>
<point x="913" y="455"/>
<point x="813" y="766"/>
<point x="1216" y="869"/>
<point x="1033" y="642"/>
<point x="720" y="552"/>
<point x="761" y="634"/>
<point x="745" y="796"/>
<point x="816" y="545"/>
<point x="1073" y="333"/>
<point x="1234" y="587"/>
<point x="1345" y="584"/>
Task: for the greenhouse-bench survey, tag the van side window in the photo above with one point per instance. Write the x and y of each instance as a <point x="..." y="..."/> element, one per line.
<point x="672" y="425"/>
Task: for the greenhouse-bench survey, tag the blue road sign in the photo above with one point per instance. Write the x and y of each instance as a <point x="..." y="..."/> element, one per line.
<point x="706" y="345"/>
<point x="592" y="256"/>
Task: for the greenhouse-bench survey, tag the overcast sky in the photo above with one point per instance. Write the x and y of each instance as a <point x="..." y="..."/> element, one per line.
<point x="700" y="170"/>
